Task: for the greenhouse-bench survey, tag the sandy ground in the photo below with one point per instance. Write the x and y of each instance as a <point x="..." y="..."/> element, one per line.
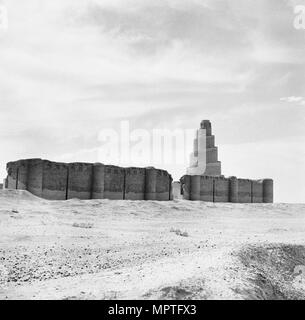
<point x="101" y="249"/>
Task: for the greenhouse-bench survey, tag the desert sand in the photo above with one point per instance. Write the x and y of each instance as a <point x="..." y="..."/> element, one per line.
<point x="102" y="249"/>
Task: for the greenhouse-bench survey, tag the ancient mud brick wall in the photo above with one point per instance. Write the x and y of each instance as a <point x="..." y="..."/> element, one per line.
<point x="233" y="190"/>
<point x="114" y="183"/>
<point x="98" y="181"/>
<point x="257" y="191"/>
<point x="268" y="191"/>
<point x="221" y="189"/>
<point x="163" y="185"/>
<point x="60" y="181"/>
<point x="134" y="184"/>
<point x="244" y="191"/>
<point x="206" y="188"/>
<point x="21" y="171"/>
<point x="150" y="184"/>
<point x="79" y="180"/>
<point x="195" y="188"/>
<point x="35" y="176"/>
<point x="55" y="180"/>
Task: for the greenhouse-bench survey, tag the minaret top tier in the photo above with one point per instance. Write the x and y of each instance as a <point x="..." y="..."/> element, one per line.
<point x="206" y="124"/>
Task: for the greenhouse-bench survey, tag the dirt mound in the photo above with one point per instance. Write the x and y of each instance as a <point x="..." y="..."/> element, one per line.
<point x="18" y="195"/>
<point x="274" y="272"/>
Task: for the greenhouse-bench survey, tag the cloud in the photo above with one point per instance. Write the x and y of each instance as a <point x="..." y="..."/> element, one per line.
<point x="293" y="99"/>
<point x="152" y="26"/>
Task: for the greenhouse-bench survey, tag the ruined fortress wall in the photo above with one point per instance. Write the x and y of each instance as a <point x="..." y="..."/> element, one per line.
<point x="233" y="190"/>
<point x="79" y="181"/>
<point x="134" y="184"/>
<point x="244" y="191"/>
<point x="195" y="188"/>
<point x="12" y="175"/>
<point x="206" y="188"/>
<point x="257" y="191"/>
<point x="268" y="191"/>
<point x="60" y="181"/>
<point x="55" y="179"/>
<point x="221" y="189"/>
<point x="114" y="183"/>
<point x="17" y="175"/>
<point x="150" y="184"/>
<point x="163" y="185"/>
<point x="98" y="181"/>
<point x="22" y="175"/>
<point x="35" y="176"/>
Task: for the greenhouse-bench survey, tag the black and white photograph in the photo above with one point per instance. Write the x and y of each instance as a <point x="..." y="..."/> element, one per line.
<point x="152" y="150"/>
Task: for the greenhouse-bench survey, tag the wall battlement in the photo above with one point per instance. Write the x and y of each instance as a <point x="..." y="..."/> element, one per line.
<point x="63" y="181"/>
<point x="222" y="189"/>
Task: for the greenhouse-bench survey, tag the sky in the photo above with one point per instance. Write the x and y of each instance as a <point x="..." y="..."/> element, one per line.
<point x="71" y="68"/>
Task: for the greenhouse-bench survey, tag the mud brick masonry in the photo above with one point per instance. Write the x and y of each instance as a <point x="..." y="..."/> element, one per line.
<point x="62" y="181"/>
<point x="221" y="189"/>
<point x="204" y="181"/>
